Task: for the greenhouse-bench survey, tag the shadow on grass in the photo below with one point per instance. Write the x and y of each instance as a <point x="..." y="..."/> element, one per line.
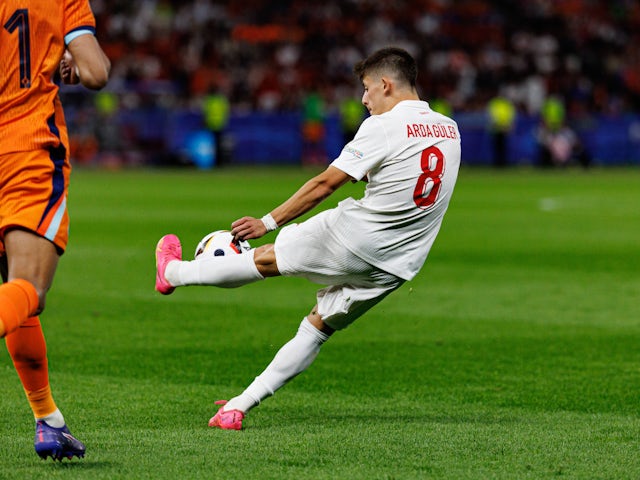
<point x="83" y="465"/>
<point x="307" y="419"/>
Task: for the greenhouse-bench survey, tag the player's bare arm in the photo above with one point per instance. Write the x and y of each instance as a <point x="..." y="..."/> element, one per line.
<point x="87" y="62"/>
<point x="307" y="197"/>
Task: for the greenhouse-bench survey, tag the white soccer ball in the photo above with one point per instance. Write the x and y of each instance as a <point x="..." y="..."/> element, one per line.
<point x="219" y="244"/>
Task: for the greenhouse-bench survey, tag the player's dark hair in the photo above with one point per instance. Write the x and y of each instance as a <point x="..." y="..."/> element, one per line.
<point x="391" y="60"/>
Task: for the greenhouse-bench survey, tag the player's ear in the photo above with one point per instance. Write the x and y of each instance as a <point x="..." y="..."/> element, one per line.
<point x="387" y="85"/>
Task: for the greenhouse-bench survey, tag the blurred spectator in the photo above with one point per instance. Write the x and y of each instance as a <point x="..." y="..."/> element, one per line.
<point x="107" y="130"/>
<point x="215" y="108"/>
<point x="559" y="144"/>
<point x="352" y="112"/>
<point x="313" y="131"/>
<point x="440" y="105"/>
<point x="502" y="116"/>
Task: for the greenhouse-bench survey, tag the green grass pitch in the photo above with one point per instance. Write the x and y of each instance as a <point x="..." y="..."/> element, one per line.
<point x="515" y="353"/>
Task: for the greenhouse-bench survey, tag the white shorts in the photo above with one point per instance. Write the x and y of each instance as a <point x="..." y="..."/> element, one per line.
<point x="309" y="250"/>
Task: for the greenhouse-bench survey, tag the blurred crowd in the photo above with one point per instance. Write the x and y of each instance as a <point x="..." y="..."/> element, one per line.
<point x="267" y="55"/>
<point x="501" y="58"/>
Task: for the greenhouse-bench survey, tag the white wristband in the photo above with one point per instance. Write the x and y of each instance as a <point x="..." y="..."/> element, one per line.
<point x="269" y="223"/>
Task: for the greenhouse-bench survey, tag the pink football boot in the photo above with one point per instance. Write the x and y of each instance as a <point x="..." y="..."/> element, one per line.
<point x="167" y="250"/>
<point x="229" y="420"/>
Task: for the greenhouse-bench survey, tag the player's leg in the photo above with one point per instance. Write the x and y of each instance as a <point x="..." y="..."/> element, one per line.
<point x="35" y="231"/>
<point x="28" y="350"/>
<point x="33" y="217"/>
<point x="18" y="300"/>
<point x="226" y="271"/>
<point x="30" y="263"/>
<point x="338" y="307"/>
<point x="292" y="359"/>
<point x="32" y="258"/>
<point x="35" y="259"/>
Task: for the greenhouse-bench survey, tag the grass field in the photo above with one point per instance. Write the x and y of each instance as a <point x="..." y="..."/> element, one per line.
<point x="515" y="353"/>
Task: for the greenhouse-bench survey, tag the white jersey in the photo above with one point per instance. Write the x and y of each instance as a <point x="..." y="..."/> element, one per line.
<point x="410" y="157"/>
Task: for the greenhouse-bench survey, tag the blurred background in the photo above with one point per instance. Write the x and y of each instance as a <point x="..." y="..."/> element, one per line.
<point x="546" y="83"/>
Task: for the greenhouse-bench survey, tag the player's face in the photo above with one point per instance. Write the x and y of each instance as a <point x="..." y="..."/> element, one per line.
<point x="374" y="95"/>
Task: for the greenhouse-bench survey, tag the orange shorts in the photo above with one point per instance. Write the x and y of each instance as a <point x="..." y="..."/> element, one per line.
<point x="33" y="194"/>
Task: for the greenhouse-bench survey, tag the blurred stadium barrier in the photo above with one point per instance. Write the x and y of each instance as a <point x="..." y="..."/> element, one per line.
<point x="161" y="136"/>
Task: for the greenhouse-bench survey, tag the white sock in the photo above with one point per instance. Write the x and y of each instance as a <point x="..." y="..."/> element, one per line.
<point x="227" y="272"/>
<point x="55" y="419"/>
<point x="293" y="358"/>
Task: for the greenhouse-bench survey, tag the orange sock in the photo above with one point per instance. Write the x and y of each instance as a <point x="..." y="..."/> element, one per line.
<point x="18" y="300"/>
<point x="28" y="350"/>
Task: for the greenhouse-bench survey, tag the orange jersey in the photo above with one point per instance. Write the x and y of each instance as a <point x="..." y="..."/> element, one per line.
<point x="33" y="34"/>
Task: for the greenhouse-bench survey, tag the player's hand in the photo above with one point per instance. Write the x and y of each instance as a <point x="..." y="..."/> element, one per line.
<point x="68" y="69"/>
<point x="247" y="228"/>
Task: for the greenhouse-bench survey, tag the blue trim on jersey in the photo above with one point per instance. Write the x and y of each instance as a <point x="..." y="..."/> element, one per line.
<point x="53" y="128"/>
<point x="54" y="226"/>
<point x="76" y="32"/>
<point x="57" y="155"/>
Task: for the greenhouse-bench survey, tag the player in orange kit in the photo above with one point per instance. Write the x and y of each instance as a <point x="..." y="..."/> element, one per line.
<point x="37" y="39"/>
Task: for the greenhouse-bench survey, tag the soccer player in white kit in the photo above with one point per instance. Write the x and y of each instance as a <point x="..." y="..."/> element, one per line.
<point x="362" y="250"/>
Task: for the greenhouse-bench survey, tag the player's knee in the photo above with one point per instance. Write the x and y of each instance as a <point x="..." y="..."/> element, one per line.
<point x="42" y="298"/>
<point x="40" y="290"/>
<point x="41" y="303"/>
<point x="265" y="260"/>
<point x="315" y="319"/>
